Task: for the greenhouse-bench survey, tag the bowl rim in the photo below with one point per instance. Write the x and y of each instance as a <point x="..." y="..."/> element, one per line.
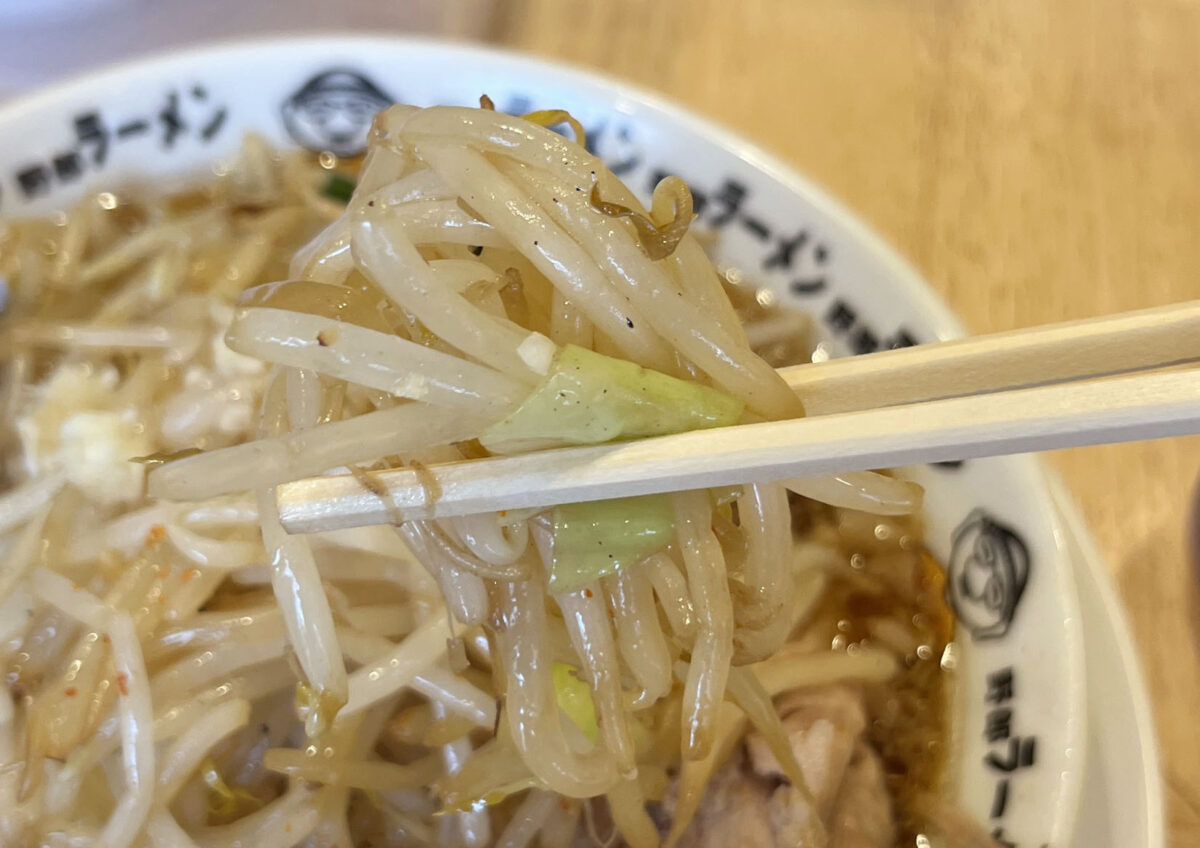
<point x="947" y="323"/>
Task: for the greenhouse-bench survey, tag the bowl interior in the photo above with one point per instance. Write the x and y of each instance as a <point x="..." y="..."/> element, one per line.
<point x="1019" y="710"/>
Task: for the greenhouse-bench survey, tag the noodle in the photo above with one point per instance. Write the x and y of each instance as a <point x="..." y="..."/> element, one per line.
<point x="684" y="324"/>
<point x="23" y="553"/>
<point x="763" y="511"/>
<point x="385" y="676"/>
<point x="587" y="625"/>
<point x="165" y="832"/>
<point x="202" y="226"/>
<point x="473" y="825"/>
<point x="530" y="703"/>
<point x="789" y="670"/>
<point x="490" y="541"/>
<point x="464" y="591"/>
<point x="383" y="248"/>
<point x="281" y="824"/>
<point x="270" y="461"/>
<point x="551" y="250"/>
<point x="628" y="809"/>
<point x="498" y="566"/>
<point x="367" y="774"/>
<point x="671" y="588"/>
<point x="358" y="355"/>
<point x="21" y="504"/>
<point x="421" y="184"/>
<point x="713" y="649"/>
<point x="305" y="398"/>
<point x="230" y="555"/>
<point x="191" y="746"/>
<point x="864" y="490"/>
<point x="134" y="705"/>
<point x="193" y="672"/>
<point x="755" y="702"/>
<point x="527" y="820"/>
<point x="297" y="587"/>
<point x="695" y="773"/>
<point x="639" y="634"/>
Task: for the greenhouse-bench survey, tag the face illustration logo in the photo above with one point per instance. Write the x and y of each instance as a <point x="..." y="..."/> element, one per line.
<point x="987" y="573"/>
<point x="333" y="111"/>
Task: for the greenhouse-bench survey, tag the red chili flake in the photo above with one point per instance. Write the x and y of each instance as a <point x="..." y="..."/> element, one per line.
<point x="123" y="683"/>
<point x="564" y="805"/>
<point x="72" y="692"/>
<point x="587" y="593"/>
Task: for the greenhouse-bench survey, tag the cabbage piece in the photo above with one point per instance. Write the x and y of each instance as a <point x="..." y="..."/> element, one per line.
<point x="588" y="398"/>
<point x="575" y="699"/>
<point x="597" y="538"/>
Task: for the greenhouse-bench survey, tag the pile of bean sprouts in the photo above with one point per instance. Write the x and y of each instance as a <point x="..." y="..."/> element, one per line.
<point x="182" y="672"/>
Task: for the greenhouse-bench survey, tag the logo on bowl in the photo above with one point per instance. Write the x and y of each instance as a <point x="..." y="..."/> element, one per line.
<point x="333" y="111"/>
<point x="988" y="570"/>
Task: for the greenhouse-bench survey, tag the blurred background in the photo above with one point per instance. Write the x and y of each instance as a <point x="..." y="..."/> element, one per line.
<point x="1036" y="162"/>
<point x="43" y="40"/>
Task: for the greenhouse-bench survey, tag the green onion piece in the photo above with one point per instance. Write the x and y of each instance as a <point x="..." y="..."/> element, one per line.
<point x="575" y="699"/>
<point x="338" y="187"/>
<point x="588" y="398"/>
<point x="598" y="538"/>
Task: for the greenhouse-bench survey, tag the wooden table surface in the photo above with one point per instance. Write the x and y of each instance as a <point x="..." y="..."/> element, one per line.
<point x="1036" y="161"/>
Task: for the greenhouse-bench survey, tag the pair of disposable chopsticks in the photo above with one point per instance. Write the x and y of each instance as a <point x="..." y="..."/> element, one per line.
<point x="1016" y="392"/>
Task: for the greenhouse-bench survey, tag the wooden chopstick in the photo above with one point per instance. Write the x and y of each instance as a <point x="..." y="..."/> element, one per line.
<point x="1075" y="350"/>
<point x="867" y="412"/>
<point x="1143" y="406"/>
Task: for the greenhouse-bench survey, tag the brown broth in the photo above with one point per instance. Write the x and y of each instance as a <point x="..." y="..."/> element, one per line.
<point x="890" y="577"/>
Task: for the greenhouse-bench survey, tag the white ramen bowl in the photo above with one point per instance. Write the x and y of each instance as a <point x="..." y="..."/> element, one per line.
<point x="1019" y="710"/>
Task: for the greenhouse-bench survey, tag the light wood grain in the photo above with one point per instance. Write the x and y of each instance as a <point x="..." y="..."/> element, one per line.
<point x="1144" y="406"/>
<point x="1141" y="340"/>
<point x="1037" y="161"/>
<point x="948" y="401"/>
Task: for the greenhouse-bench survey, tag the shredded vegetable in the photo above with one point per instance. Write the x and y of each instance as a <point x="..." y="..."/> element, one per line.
<point x="592" y="540"/>
<point x="575" y="699"/>
<point x="589" y="398"/>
